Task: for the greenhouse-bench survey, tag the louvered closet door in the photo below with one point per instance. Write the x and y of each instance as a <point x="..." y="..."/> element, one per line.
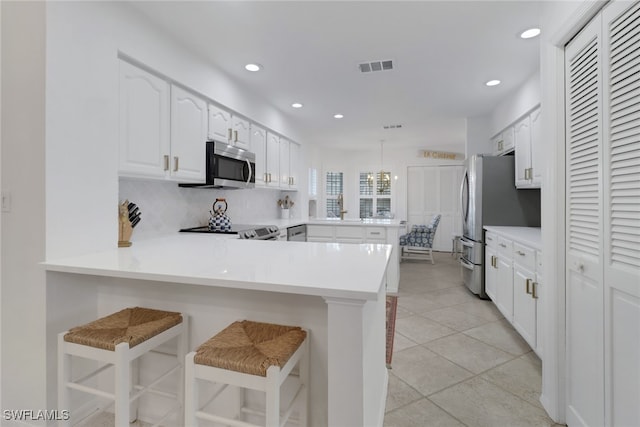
<point x="621" y="29"/>
<point x="585" y="318"/>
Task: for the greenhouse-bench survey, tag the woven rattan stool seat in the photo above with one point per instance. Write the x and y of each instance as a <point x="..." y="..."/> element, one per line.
<point x="133" y="325"/>
<point x="250" y="347"/>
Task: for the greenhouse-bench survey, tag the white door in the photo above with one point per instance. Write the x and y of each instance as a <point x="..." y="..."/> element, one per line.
<point x="537" y="159"/>
<point x="144" y="123"/>
<point x="584" y="293"/>
<point x="622" y="213"/>
<point x="522" y="134"/>
<point x="490" y="272"/>
<point x="273" y="160"/>
<point x="188" y="136"/>
<point x="524" y="305"/>
<point x="294" y="167"/>
<point x="241" y="132"/>
<point x="284" y="163"/>
<point x="433" y="190"/>
<point x="504" y="287"/>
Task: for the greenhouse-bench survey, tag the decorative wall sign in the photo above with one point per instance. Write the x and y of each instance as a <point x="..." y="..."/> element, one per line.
<point x="440" y="155"/>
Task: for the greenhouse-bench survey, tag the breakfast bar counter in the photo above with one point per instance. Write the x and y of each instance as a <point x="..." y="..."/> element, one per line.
<point x="334" y="290"/>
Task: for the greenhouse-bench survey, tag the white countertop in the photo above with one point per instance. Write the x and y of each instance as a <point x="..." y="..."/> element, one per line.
<point x="306" y="268"/>
<point x="355" y="221"/>
<point x="530" y="236"/>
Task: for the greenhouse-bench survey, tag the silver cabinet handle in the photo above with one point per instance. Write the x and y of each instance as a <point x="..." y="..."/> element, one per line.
<point x="534" y="290"/>
<point x="490" y="239"/>
<point x="175" y="164"/>
<point x="235" y="134"/>
<point x="520" y="253"/>
<point x="166" y="162"/>
<point x="528" y="286"/>
<point x="377" y="233"/>
<point x="503" y="245"/>
<point x="230" y="134"/>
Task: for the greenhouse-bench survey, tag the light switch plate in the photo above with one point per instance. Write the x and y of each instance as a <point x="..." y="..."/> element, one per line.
<point x="6" y="201"/>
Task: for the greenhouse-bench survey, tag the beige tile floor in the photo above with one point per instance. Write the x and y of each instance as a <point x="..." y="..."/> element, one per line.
<point x="456" y="360"/>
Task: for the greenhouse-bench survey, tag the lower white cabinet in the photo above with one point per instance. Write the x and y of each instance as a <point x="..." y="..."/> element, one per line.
<point x="513" y="272"/>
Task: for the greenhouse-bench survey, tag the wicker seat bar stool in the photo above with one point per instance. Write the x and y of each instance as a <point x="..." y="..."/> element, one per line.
<point x="119" y="340"/>
<point x="255" y="356"/>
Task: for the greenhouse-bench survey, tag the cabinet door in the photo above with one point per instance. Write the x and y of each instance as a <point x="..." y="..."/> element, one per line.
<point x="523" y="152"/>
<point x="188" y="136"/>
<point x="143" y="124"/>
<point x="524" y="305"/>
<point x="284" y="163"/>
<point x="294" y="160"/>
<point x="490" y="273"/>
<point x="241" y="132"/>
<point x="220" y="125"/>
<point x="259" y="147"/>
<point x="498" y="144"/>
<point x="508" y="140"/>
<point x="273" y="160"/>
<point x="536" y="148"/>
<point x="504" y="288"/>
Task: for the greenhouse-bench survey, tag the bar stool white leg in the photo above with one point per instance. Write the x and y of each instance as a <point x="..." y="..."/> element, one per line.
<point x="134" y="379"/>
<point x="273" y="397"/>
<point x="303" y="411"/>
<point x="183" y="349"/>
<point x="64" y="376"/>
<point x="190" y="392"/>
<point x="122" y="378"/>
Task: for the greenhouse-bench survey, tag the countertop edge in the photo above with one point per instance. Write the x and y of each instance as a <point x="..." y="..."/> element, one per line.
<point x="531" y="236"/>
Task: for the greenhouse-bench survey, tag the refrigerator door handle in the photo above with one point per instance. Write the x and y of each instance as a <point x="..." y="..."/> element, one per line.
<point x="466" y="243"/>
<point x="466" y="264"/>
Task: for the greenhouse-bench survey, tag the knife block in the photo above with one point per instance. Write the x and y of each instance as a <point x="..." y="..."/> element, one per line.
<point x="124" y="226"/>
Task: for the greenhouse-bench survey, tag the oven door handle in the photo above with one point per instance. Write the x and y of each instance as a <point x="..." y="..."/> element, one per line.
<point x="466" y="264"/>
<point x="250" y="171"/>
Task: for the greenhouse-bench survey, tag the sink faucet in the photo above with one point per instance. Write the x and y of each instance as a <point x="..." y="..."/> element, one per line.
<point x="341" y="205"/>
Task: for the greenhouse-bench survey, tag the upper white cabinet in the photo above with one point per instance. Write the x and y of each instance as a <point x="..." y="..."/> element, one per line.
<point x="163" y="128"/>
<point x="272" y="169"/>
<point x="285" y="178"/>
<point x="226" y="127"/>
<point x="143" y="124"/>
<point x="188" y="135"/>
<point x="258" y="141"/>
<point x="528" y="151"/>
<point x="294" y="165"/>
<point x="503" y="143"/>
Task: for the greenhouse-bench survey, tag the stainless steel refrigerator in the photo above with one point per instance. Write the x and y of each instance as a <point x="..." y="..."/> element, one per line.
<point x="489" y="197"/>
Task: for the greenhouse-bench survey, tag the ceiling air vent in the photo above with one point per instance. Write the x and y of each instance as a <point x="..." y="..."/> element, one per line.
<point x="368" y="67"/>
<point x="392" y="126"/>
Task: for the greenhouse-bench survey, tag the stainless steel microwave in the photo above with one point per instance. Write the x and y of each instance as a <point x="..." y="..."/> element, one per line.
<point x="228" y="167"/>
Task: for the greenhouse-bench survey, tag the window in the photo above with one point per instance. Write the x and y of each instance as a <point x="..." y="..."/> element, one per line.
<point x="334" y="187"/>
<point x="375" y="194"/>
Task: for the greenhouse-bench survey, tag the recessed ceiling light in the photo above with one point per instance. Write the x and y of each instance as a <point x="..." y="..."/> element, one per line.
<point x="296" y="105"/>
<point x="253" y="67"/>
<point x="493" y="82"/>
<point x="338" y="116"/>
<point x="530" y="33"/>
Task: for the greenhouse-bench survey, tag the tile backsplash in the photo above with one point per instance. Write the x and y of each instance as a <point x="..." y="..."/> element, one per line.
<point x="166" y="208"/>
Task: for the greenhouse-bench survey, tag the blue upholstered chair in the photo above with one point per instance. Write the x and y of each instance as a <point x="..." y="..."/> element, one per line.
<point x="417" y="244"/>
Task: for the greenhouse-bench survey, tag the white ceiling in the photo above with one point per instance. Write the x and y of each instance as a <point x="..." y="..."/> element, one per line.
<point x="443" y="53"/>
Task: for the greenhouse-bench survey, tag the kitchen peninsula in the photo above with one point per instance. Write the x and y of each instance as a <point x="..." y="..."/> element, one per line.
<point x="334" y="290"/>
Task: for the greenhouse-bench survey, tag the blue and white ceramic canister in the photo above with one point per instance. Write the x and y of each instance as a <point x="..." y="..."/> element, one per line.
<point x="219" y="221"/>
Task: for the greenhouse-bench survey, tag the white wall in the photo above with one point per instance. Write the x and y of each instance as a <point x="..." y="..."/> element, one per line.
<point x="397" y="160"/>
<point x="23" y="228"/>
<point x="524" y="99"/>
<point x="478" y="136"/>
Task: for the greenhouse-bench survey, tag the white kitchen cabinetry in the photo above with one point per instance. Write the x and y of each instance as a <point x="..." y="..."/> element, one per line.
<point x="283" y="152"/>
<point x="272" y="161"/>
<point x="504" y="142"/>
<point x="294" y="165"/>
<point x="163" y="128"/>
<point x="525" y="293"/>
<point x="527" y="151"/>
<point x="227" y="127"/>
<point x="513" y="272"/>
<point x="143" y="123"/>
<point x="258" y="140"/>
<point x="491" y="265"/>
<point x="504" y="285"/>
<point x="188" y="136"/>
